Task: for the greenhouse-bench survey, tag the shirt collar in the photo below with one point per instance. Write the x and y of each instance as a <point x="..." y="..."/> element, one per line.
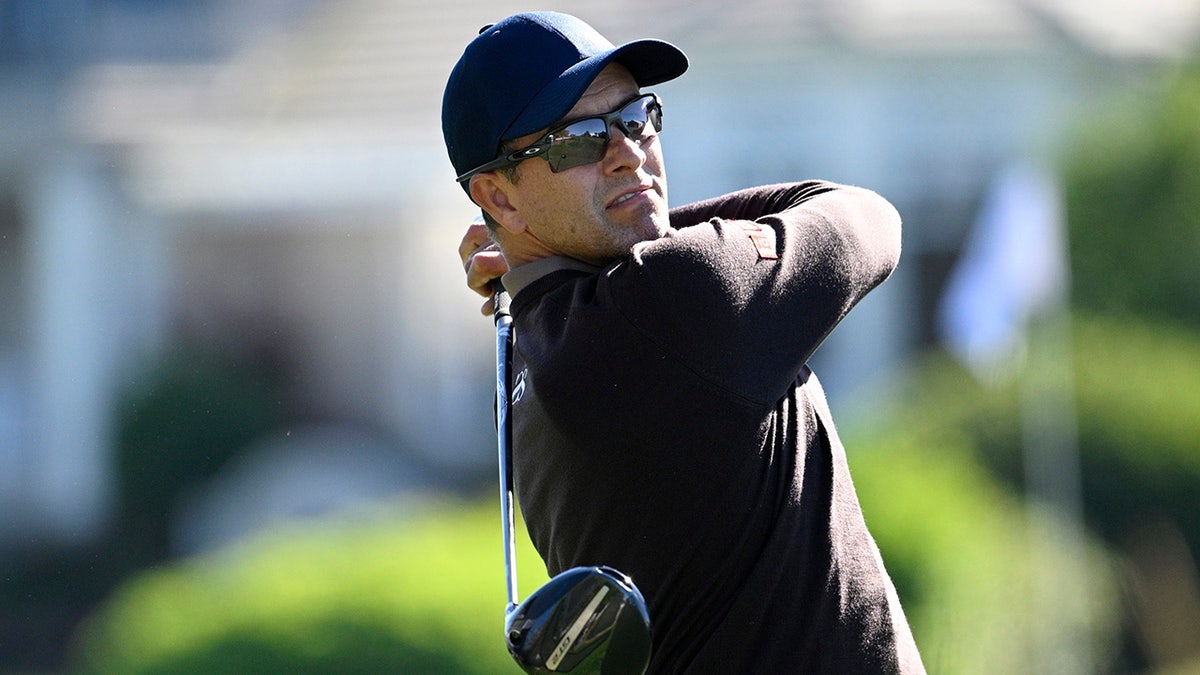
<point x="520" y="277"/>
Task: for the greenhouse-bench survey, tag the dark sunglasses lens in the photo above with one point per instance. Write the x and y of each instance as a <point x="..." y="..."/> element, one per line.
<point x="638" y="115"/>
<point x="577" y="144"/>
<point x="586" y="141"/>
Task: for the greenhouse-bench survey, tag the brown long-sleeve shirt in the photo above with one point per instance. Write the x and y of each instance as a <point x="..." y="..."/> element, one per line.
<point x="666" y="424"/>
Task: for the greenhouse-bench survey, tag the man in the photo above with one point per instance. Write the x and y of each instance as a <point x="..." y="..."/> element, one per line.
<point x="665" y="422"/>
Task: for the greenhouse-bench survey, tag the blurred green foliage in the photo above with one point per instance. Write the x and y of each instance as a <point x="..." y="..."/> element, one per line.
<point x="958" y="547"/>
<point x="422" y="595"/>
<point x="178" y="425"/>
<point x="178" y="422"/>
<point x="1137" y="423"/>
<point x="1133" y="195"/>
<point x="1139" y="393"/>
<point x="1137" y="398"/>
<point x="1132" y="181"/>
<point x="427" y="595"/>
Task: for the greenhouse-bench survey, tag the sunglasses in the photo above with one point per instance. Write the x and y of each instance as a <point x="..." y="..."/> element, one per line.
<point x="585" y="141"/>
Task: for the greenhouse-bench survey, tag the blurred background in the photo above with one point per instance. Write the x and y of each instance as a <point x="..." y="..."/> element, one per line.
<point x="245" y="395"/>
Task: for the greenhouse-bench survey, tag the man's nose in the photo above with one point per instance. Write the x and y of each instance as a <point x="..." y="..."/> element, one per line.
<point x="624" y="149"/>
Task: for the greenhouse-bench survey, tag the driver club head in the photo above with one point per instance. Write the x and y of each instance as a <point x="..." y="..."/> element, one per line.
<point x="585" y="620"/>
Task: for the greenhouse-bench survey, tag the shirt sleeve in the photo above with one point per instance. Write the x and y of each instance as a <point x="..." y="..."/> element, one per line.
<point x="747" y="321"/>
<point x="748" y="204"/>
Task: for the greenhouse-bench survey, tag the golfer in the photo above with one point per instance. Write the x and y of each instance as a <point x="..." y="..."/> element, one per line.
<point x="664" y="419"/>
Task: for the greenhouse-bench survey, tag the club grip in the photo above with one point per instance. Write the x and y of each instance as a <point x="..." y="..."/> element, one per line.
<point x="500" y="301"/>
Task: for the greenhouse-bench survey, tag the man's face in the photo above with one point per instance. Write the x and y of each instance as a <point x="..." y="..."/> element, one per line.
<point x="596" y="212"/>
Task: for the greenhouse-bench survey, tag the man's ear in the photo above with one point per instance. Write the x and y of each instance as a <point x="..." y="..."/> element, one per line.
<point x="493" y="194"/>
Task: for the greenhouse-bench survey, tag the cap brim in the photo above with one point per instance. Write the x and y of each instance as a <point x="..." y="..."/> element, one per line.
<point x="649" y="61"/>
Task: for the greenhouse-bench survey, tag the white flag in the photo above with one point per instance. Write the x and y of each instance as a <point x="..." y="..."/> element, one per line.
<point x="1013" y="267"/>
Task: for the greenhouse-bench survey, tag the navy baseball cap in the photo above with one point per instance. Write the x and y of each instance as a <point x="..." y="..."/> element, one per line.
<point x="526" y="72"/>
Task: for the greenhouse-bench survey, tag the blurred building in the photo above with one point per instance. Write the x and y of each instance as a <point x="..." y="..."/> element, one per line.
<point x="272" y="174"/>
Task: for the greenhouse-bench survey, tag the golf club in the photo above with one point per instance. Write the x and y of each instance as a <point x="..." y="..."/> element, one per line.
<point x="585" y="620"/>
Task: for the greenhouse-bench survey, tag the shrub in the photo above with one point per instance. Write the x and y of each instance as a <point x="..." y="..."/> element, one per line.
<point x="386" y="596"/>
<point x="971" y="566"/>
<point x="1133" y="209"/>
<point x="186" y="416"/>
<point x="1137" y="420"/>
<point x="426" y="595"/>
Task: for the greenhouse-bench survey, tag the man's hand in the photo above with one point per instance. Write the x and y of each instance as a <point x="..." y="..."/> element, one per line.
<point x="482" y="261"/>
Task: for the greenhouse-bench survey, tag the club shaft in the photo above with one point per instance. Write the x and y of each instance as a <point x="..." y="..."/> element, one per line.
<point x="504" y="438"/>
